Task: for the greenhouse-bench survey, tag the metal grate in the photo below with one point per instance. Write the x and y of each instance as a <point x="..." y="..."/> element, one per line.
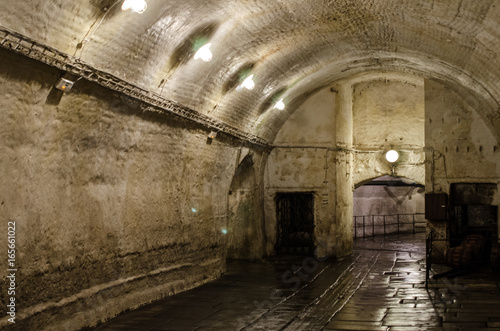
<point x="295" y="216"/>
<point x="372" y="225"/>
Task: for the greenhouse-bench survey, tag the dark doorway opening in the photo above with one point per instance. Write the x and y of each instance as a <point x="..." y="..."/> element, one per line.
<point x="295" y="217"/>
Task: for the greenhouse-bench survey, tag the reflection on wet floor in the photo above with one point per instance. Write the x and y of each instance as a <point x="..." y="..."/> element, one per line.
<point x="381" y="287"/>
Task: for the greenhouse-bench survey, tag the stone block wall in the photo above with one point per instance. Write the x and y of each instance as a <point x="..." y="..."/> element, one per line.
<point x="460" y="147"/>
<point x="337" y="139"/>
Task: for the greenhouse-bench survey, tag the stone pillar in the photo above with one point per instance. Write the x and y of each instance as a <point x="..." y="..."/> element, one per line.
<point x="344" y="162"/>
<point x="336" y="235"/>
<point x="246" y="237"/>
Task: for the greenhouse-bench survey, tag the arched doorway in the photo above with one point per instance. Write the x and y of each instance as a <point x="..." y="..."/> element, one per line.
<point x="388" y="205"/>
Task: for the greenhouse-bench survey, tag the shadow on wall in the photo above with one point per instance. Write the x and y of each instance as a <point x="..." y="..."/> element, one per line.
<point x="241" y="217"/>
<point x="388" y="205"/>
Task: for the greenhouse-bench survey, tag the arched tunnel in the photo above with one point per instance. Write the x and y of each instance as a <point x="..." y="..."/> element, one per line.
<point x="144" y="143"/>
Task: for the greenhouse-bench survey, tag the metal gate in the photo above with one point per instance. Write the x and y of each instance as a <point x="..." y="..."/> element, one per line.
<point x="295" y="217"/>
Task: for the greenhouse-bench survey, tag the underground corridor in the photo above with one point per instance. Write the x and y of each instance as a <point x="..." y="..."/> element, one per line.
<point x="381" y="286"/>
<point x="268" y="165"/>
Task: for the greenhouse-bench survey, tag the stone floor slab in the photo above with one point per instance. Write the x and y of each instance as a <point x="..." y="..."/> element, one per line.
<point x="380" y="287"/>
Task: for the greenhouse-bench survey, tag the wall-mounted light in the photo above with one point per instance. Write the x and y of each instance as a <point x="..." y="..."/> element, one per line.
<point x="248" y="83"/>
<point x="280" y="104"/>
<point x="138" y="6"/>
<point x="204" y="53"/>
<point x="212" y="135"/>
<point x="64" y="84"/>
<point x="392" y="156"/>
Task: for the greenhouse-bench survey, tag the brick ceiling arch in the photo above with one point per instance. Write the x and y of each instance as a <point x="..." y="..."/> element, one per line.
<point x="292" y="47"/>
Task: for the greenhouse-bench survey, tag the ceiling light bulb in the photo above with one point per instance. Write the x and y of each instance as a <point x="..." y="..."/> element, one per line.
<point x="248" y="83"/>
<point x="138" y="6"/>
<point x="392" y="156"/>
<point x="280" y="104"/>
<point x="204" y="53"/>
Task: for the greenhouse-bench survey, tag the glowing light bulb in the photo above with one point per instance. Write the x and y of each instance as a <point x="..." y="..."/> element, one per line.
<point x="248" y="83"/>
<point x="204" y="53"/>
<point x="392" y="156"/>
<point x="280" y="104"/>
<point x="224" y="231"/>
<point x="138" y="6"/>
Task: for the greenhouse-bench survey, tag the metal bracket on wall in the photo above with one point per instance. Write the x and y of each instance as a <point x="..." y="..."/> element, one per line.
<point x="23" y="45"/>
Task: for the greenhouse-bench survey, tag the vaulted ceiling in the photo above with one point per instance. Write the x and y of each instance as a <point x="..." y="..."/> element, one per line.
<point x="292" y="47"/>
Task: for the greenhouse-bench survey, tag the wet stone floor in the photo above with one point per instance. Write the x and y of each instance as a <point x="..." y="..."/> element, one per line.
<point x="380" y="287"/>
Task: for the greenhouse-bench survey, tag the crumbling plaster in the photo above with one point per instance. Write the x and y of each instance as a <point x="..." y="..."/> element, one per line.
<point x="103" y="160"/>
<point x="329" y="144"/>
<point x="114" y="206"/>
<point x="460" y="148"/>
<point x="388" y="113"/>
<point x="440" y="137"/>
